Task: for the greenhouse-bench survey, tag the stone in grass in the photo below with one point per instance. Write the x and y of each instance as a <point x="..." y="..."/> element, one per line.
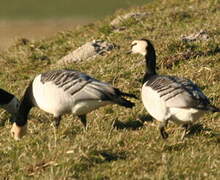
<point x="117" y="23"/>
<point x="87" y="51"/>
<point x="201" y="35"/>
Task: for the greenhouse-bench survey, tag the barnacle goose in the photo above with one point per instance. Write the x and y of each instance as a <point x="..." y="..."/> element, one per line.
<point x="66" y="91"/>
<point x="169" y="97"/>
<point x="9" y="102"/>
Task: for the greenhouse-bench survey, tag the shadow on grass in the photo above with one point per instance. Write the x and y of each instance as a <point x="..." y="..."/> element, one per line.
<point x="106" y="156"/>
<point x="197" y="129"/>
<point x="145" y="118"/>
<point x="96" y="157"/>
<point x="209" y="133"/>
<point x="174" y="147"/>
<point x="133" y="124"/>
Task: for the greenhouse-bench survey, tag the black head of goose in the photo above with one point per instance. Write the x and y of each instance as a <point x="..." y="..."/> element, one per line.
<point x="66" y="91"/>
<point x="9" y="102"/>
<point x="169" y="97"/>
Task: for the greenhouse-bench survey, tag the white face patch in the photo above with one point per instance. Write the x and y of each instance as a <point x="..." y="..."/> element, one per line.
<point x="139" y="47"/>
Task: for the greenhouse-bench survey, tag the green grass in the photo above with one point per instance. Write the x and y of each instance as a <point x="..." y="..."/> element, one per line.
<point x="127" y="153"/>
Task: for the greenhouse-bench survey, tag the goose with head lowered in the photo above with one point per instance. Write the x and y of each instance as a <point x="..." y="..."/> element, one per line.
<point x="169" y="97"/>
<point x="66" y="91"/>
<point x="9" y="102"/>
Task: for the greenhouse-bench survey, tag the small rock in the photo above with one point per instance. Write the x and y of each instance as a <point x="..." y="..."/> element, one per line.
<point x="117" y="22"/>
<point x="86" y="51"/>
<point x="201" y="35"/>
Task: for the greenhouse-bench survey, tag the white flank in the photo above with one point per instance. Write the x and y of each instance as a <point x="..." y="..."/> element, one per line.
<point x="185" y="115"/>
<point x="85" y="107"/>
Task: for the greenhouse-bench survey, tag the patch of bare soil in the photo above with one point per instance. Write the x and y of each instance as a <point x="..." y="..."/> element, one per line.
<point x="34" y="30"/>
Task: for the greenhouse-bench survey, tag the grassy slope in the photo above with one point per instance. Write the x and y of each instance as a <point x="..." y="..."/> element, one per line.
<point x="119" y="154"/>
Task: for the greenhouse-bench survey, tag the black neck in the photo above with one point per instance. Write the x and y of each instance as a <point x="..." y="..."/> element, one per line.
<point x="5" y="96"/>
<point x="150" y="59"/>
<point x="27" y="102"/>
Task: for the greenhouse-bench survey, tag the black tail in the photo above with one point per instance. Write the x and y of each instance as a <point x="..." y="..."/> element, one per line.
<point x="125" y="103"/>
<point x="120" y="93"/>
<point x="122" y="101"/>
<point x="213" y="109"/>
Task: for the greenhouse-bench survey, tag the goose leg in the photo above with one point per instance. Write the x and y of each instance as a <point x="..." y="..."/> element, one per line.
<point x="162" y="126"/>
<point x="113" y="125"/>
<point x="83" y="120"/>
<point x="57" y="121"/>
<point x="186" y="130"/>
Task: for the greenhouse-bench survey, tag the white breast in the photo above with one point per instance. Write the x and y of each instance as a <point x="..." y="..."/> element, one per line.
<point x="50" y="98"/>
<point x="154" y="104"/>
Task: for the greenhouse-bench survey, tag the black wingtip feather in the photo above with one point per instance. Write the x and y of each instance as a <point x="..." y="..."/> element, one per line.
<point x="120" y="93"/>
<point x="126" y="103"/>
<point x="213" y="109"/>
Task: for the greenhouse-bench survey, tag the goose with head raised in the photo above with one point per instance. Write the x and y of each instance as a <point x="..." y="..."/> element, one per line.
<point x="169" y="97"/>
<point x="66" y="91"/>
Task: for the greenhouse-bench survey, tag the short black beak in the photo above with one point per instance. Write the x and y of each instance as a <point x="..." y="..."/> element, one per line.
<point x="129" y="52"/>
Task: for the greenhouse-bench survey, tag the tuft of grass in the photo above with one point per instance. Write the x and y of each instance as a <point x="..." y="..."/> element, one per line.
<point x="133" y="149"/>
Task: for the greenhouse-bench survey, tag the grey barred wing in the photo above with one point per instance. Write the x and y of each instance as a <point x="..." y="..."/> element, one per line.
<point x="178" y="92"/>
<point x="200" y="99"/>
<point x="62" y="77"/>
<point x="79" y="85"/>
<point x="70" y="81"/>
